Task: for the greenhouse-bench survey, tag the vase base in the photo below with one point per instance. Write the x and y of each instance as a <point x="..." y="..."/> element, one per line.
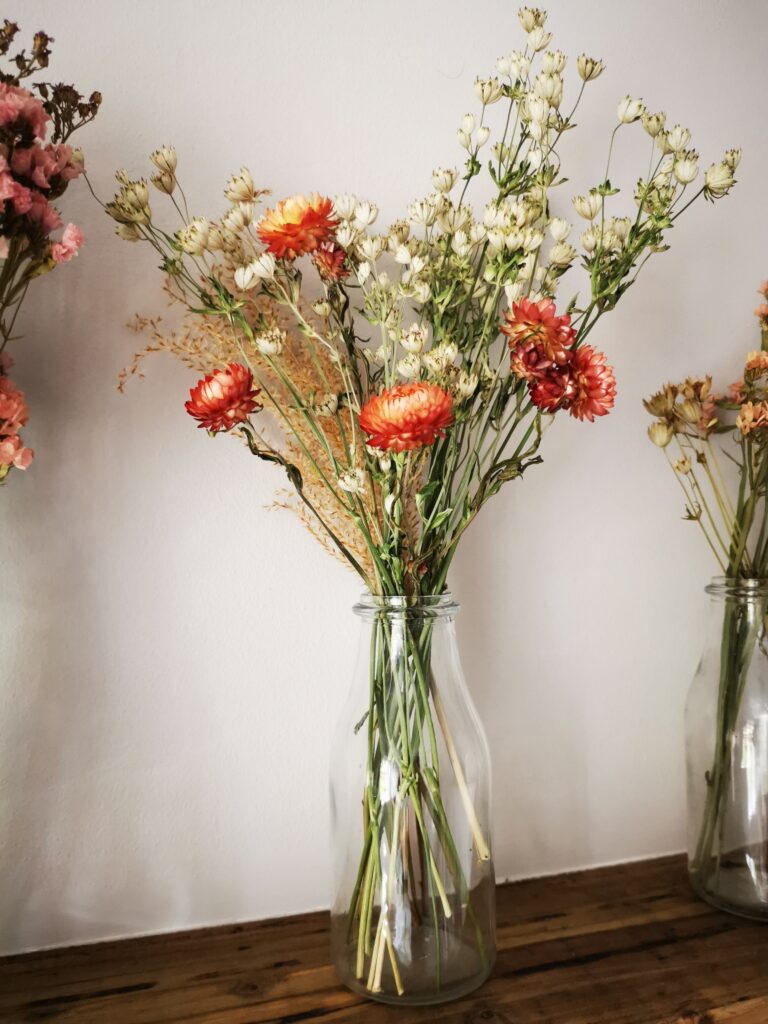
<point x="738" y="885"/>
<point x="419" y="990"/>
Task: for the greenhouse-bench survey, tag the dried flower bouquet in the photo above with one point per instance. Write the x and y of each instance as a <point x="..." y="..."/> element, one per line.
<point x="33" y="175"/>
<point x="413" y="383"/>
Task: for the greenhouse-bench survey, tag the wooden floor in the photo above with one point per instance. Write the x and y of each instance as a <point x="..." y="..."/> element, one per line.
<point x="622" y="945"/>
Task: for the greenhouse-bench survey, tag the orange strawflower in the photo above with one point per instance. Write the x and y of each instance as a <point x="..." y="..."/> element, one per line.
<point x="752" y="416"/>
<point x="537" y="324"/>
<point x="594" y="382"/>
<point x="297" y="225"/>
<point x="407" y="416"/>
<point x="331" y="264"/>
<point x="757" y="362"/>
<point x="223" y="399"/>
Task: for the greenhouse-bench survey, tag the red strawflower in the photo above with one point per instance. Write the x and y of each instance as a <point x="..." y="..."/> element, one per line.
<point x="407" y="416"/>
<point x="554" y="389"/>
<point x="297" y="225"/>
<point x="330" y="261"/>
<point x="538" y="323"/>
<point x="594" y="383"/>
<point x="223" y="398"/>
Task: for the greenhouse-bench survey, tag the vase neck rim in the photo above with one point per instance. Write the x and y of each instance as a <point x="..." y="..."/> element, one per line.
<point x="421" y="606"/>
<point x="737" y="587"/>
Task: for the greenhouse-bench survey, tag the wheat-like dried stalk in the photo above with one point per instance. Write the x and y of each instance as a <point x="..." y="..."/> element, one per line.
<point x="205" y="344"/>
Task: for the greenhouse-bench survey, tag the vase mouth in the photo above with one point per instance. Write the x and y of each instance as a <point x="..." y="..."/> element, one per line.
<point x="737" y="587"/>
<point x="419" y="606"/>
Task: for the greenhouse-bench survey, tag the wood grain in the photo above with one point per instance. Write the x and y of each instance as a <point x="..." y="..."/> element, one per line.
<point x="620" y="945"/>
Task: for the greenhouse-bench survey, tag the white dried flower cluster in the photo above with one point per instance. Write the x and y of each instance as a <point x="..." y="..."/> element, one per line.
<point x="352" y="481"/>
<point x="270" y="342"/>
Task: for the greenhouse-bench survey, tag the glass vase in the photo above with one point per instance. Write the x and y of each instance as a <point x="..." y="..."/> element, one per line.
<point x="727" y="753"/>
<point x="413" y="914"/>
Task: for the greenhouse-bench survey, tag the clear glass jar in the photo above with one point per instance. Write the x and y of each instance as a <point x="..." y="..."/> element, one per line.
<point x="413" y="915"/>
<point x="727" y="753"/>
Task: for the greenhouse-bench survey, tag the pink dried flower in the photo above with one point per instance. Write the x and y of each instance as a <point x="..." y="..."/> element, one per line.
<point x="20" y="110"/>
<point x="71" y="240"/>
<point x="13" y="452"/>
<point x="13" y="407"/>
<point x="594" y="382"/>
<point x="43" y="215"/>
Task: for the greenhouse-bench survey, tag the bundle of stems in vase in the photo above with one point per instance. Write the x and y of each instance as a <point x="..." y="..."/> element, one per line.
<point x="703" y="435"/>
<point x="402" y="376"/>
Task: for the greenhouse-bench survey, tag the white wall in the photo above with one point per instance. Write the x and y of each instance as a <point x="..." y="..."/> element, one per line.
<point x="173" y="653"/>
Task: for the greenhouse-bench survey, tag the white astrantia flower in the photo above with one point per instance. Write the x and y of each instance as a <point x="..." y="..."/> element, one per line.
<point x="483" y="134"/>
<point x="539" y="131"/>
<point x="346" y="235"/>
<point x="732" y="158"/>
<point x="264" y="266"/>
<point x="488" y="90"/>
<point x="550" y="87"/>
<point x="438" y="359"/>
<point x="535" y="158"/>
<point x="539" y="39"/>
<point x="653" y="123"/>
<point x="353" y="481"/>
<point x="559" y="228"/>
<point x="165" y="159"/>
<point x="495" y="214"/>
<point x="521" y="65"/>
<point x="193" y="238"/>
<point x="589" y="68"/>
<point x="561" y="255"/>
<point x="398" y="232"/>
<point x="444" y="179"/>
<point x="532" y="239"/>
<point x="514" y="292"/>
<point x="234" y="220"/>
<point x="630" y="110"/>
<point x="466" y="384"/>
<point x="531" y="18"/>
<point x="468" y="123"/>
<point x="455" y="218"/>
<point x="677" y="138"/>
<point x="322" y="307"/>
<point x="271" y="342"/>
<point x="402" y="255"/>
<point x="686" y="166"/>
<point x="128" y="232"/>
<point x="240" y="187"/>
<point x="414" y="338"/>
<point x="245" y="279"/>
<point x="371" y="248"/>
<point x="365" y="214"/>
<point x="476" y="233"/>
<point x="620" y="226"/>
<point x="589" y="240"/>
<point x="363" y="272"/>
<point x="421" y="291"/>
<point x="423" y="212"/>
<point x="409" y="366"/>
<point x="164" y="181"/>
<point x="535" y="107"/>
<point x="418" y="263"/>
<point x="344" y="206"/>
<point x="461" y="245"/>
<point x="504" y="66"/>
<point x="718" y="179"/>
<point x="496" y="238"/>
<point x="465" y="139"/>
<point x="587" y="206"/>
<point x="554" y="62"/>
<point x="328" y="405"/>
<point x="514" y="239"/>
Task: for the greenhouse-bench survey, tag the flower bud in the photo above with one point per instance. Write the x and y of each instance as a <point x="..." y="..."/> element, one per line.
<point x="589" y="68"/>
<point x="164" y="159"/>
<point x="660" y="433"/>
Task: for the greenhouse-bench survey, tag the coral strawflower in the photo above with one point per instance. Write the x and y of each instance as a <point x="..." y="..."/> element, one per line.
<point x="297" y="225"/>
<point x="223" y="399"/>
<point x="407" y="416"/>
<point x="330" y="261"/>
<point x="537" y="323"/>
<point x="594" y="383"/>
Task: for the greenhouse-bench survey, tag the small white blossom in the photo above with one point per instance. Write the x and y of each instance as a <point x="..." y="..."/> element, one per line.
<point x="504" y="66"/>
<point x="589" y="240"/>
<point x="559" y="228"/>
<point x="240" y="187"/>
<point x="677" y="138"/>
<point x="483" y="134"/>
<point x="653" y="123"/>
<point x="732" y="158"/>
<point x="535" y="107"/>
<point x="554" y="62"/>
<point x="550" y="87"/>
<point x="363" y="272"/>
<point x="444" y="180"/>
<point x="630" y="110"/>
<point x="562" y="255"/>
<point x="409" y="366"/>
<point x="488" y="90"/>
<point x="686" y="167"/>
<point x="531" y="18"/>
<point x="423" y="212"/>
<point x="587" y="206"/>
<point x="718" y="179"/>
<point x="413" y="339"/>
<point x="346" y="235"/>
<point x="539" y="39"/>
<point x="164" y="181"/>
<point x="345" y="205"/>
<point x="466" y="384"/>
<point x="521" y="65"/>
<point x="164" y="159"/>
<point x="193" y="238"/>
<point x="271" y="342"/>
<point x="128" y="232"/>
<point x="264" y="266"/>
<point x="402" y="255"/>
<point x="620" y="226"/>
<point x="371" y="248"/>
<point x="467" y="123"/>
<point x="589" y="68"/>
<point x="532" y="239"/>
<point x="245" y="279"/>
<point x="365" y="214"/>
<point x="353" y="481"/>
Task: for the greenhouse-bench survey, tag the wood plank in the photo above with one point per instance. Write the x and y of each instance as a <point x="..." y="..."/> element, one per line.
<point x="621" y="945"/>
